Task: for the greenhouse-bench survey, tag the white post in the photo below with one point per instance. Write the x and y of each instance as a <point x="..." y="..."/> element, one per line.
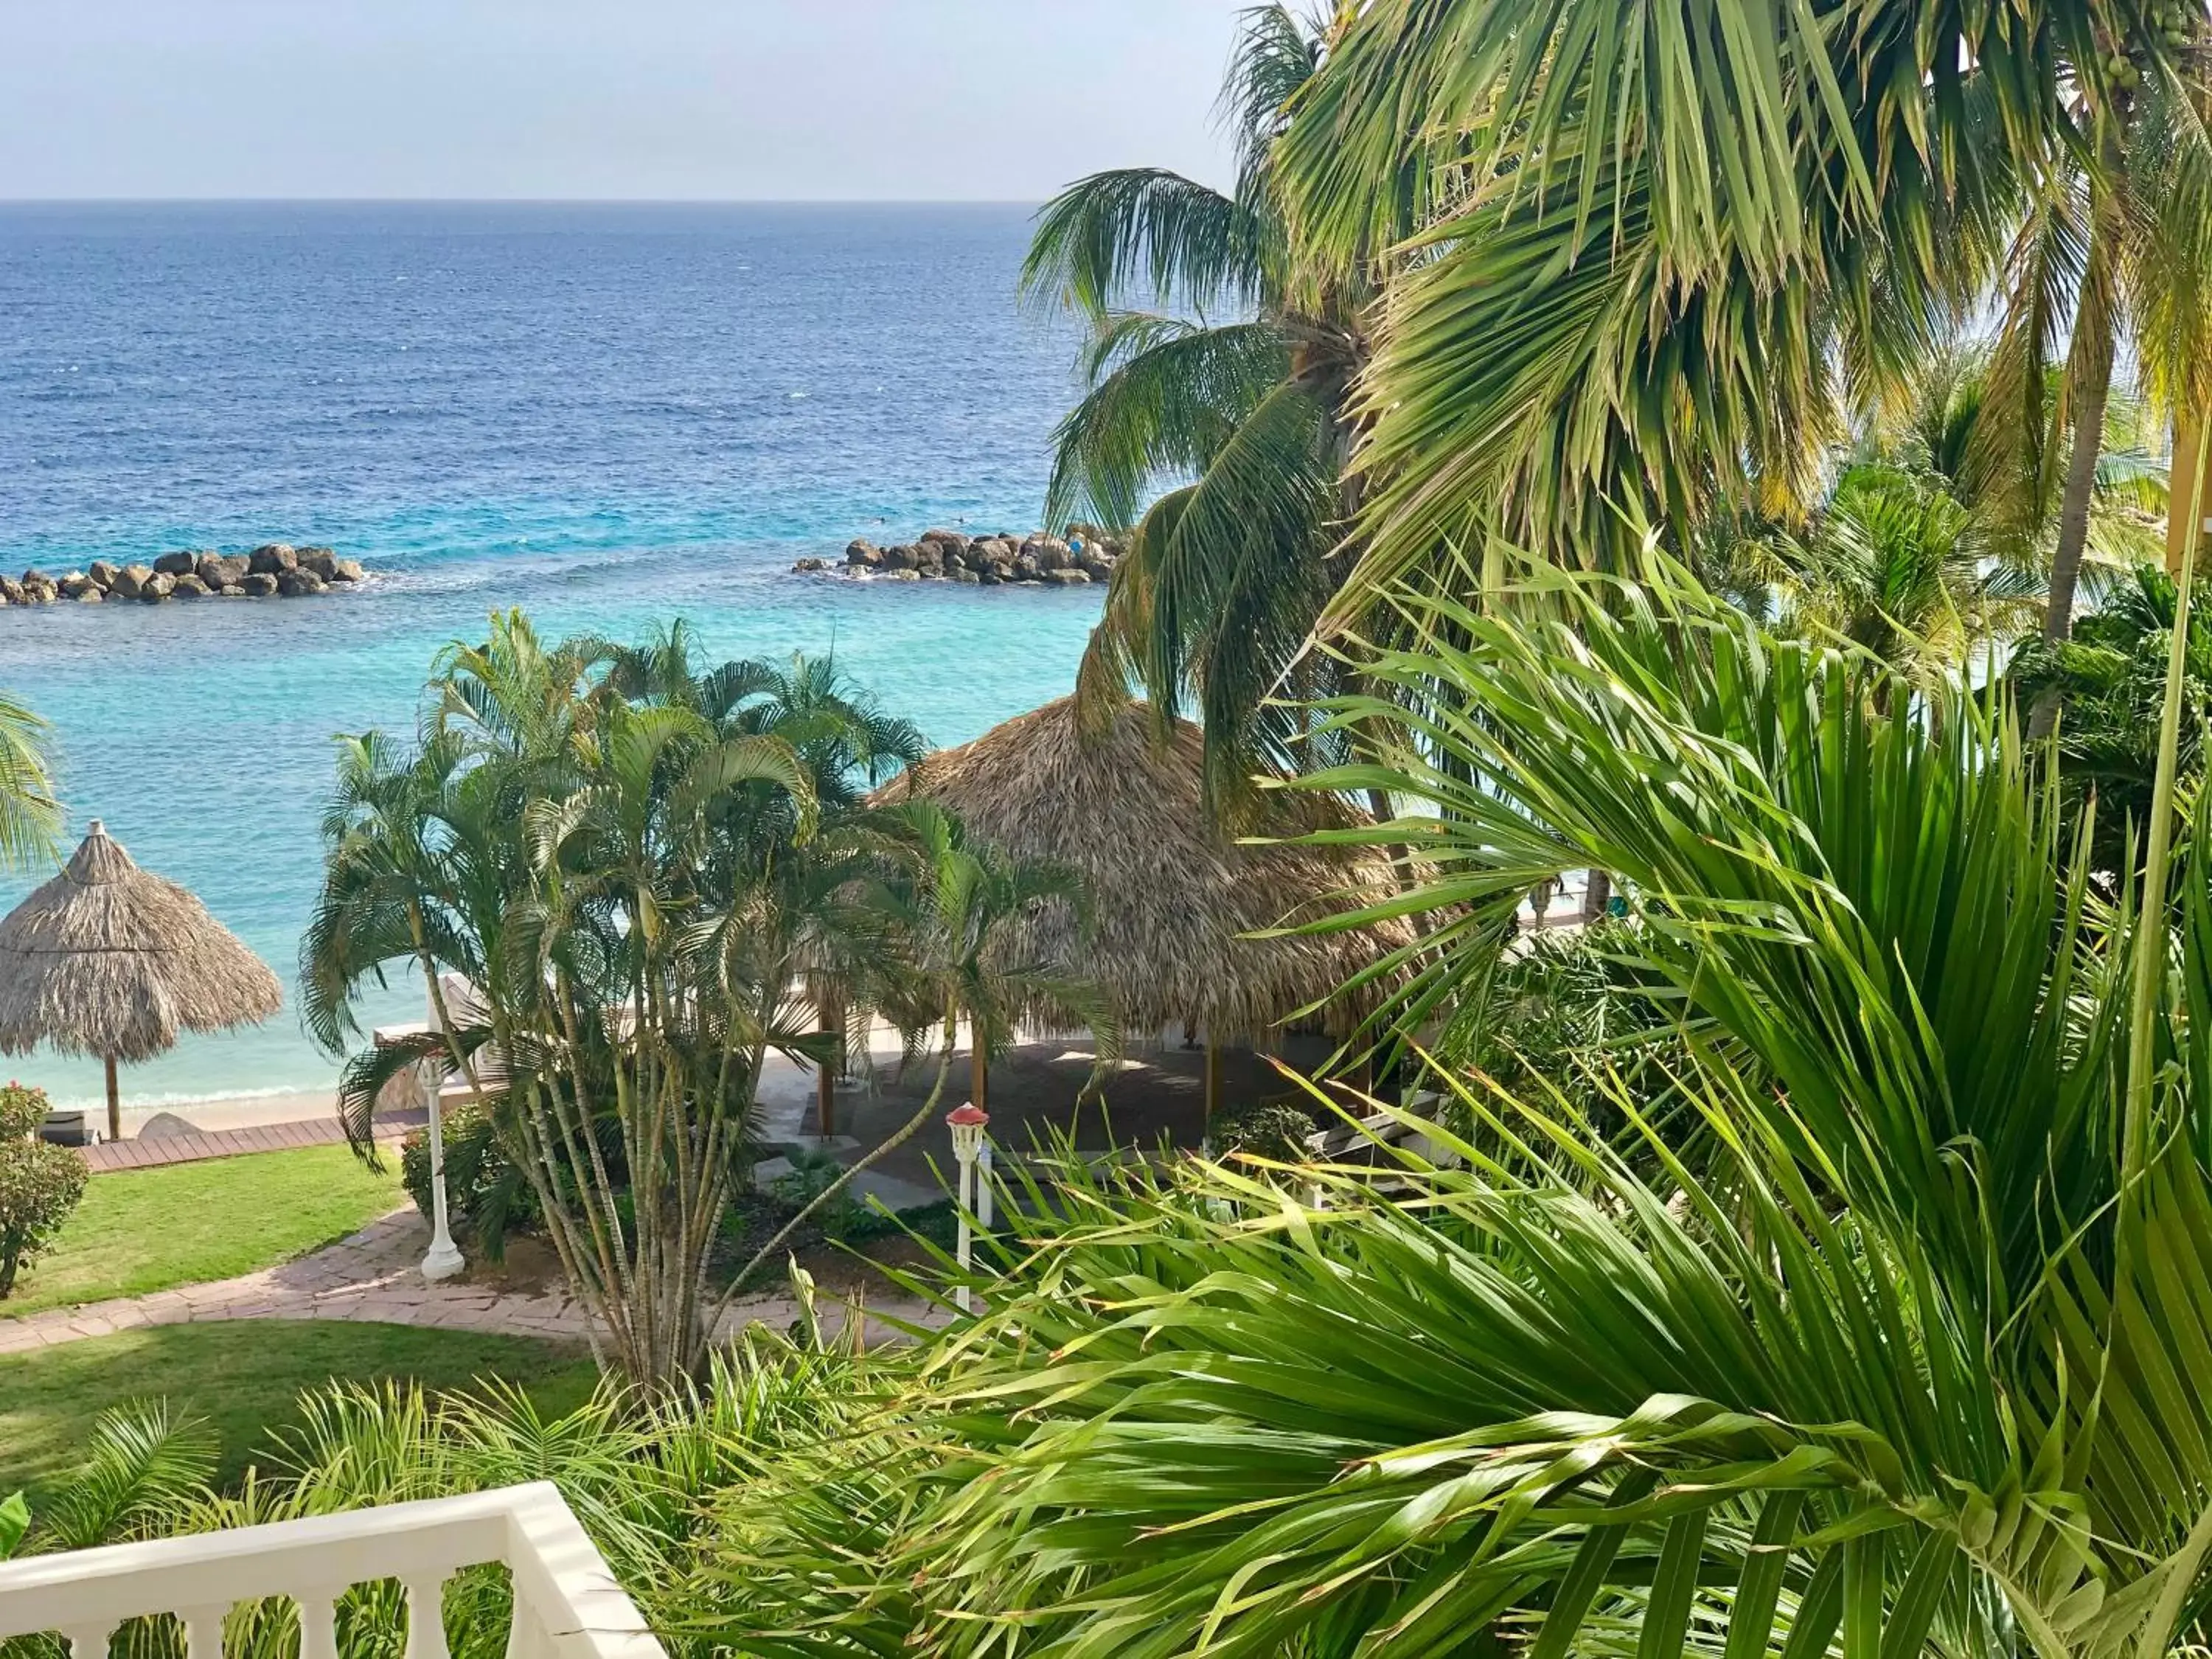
<point x="966" y="1123"/>
<point x="442" y="1260"/>
<point x="983" y="1186"/>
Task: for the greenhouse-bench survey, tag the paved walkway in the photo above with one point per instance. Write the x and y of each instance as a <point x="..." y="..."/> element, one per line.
<point x="192" y="1146"/>
<point x="372" y="1276"/>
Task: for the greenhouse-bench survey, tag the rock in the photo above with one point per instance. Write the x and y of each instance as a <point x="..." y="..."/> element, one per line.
<point x="1025" y="568"/>
<point x="230" y="591"/>
<point x="11" y="590"/>
<point x="189" y="586"/>
<point x="221" y="570"/>
<point x="811" y="564"/>
<point x="177" y="564"/>
<point x="300" y="584"/>
<point x="38" y="592"/>
<point x="898" y="558"/>
<point x="273" y="559"/>
<point x="902" y="575"/>
<point x="1095" y="568"/>
<point x="947" y="538"/>
<point x="989" y="576"/>
<point x="1049" y="551"/>
<point x="102" y="573"/>
<point x="130" y="581"/>
<point x="963" y="574"/>
<point x="1066" y="578"/>
<point x="347" y="571"/>
<point x="76" y="582"/>
<point x="863" y="554"/>
<point x="91" y="595"/>
<point x="36" y="574"/>
<point x="259" y="584"/>
<point x="157" y="587"/>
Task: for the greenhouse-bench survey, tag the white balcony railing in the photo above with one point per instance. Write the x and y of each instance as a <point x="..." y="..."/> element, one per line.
<point x="567" y="1603"/>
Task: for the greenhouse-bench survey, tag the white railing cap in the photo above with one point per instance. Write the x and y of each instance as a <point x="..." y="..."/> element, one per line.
<point x="558" y="1574"/>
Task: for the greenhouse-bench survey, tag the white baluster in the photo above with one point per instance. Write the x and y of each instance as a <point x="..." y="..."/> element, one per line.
<point x="318" y="1624"/>
<point x="426" y="1617"/>
<point x="526" y="1636"/>
<point x="90" y="1642"/>
<point x="202" y="1631"/>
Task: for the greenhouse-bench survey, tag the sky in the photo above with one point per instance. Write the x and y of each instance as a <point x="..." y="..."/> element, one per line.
<point x="657" y="100"/>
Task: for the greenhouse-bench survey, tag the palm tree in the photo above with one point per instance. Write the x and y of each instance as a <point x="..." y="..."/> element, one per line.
<point x="1212" y="359"/>
<point x="1897" y="1361"/>
<point x="629" y="894"/>
<point x="1661" y="257"/>
<point x="955" y="901"/>
<point x="30" y="816"/>
<point x="2114" y="245"/>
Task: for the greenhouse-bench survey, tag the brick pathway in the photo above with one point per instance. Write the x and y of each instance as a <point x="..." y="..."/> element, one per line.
<point x="372" y="1276"/>
<point x="150" y="1153"/>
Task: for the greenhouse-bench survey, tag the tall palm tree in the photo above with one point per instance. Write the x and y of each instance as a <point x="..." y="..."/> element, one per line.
<point x="1216" y="363"/>
<point x="30" y="816"/>
<point x="630" y="938"/>
<point x="2112" y="249"/>
<point x="1662" y="254"/>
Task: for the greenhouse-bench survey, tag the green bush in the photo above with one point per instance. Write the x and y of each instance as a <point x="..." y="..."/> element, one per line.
<point x="486" y="1196"/>
<point x="39" y="1184"/>
<point x="1273" y="1129"/>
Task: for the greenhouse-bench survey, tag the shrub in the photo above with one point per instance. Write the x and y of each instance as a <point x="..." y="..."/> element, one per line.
<point x="486" y="1196"/>
<point x="1275" y="1129"/>
<point x="39" y="1184"/>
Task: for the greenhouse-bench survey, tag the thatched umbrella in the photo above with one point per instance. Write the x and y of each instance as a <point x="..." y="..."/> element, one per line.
<point x="1175" y="900"/>
<point x="111" y="960"/>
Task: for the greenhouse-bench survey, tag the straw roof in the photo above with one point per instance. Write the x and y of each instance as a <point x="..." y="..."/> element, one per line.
<point x="110" y="960"/>
<point x="1173" y="899"/>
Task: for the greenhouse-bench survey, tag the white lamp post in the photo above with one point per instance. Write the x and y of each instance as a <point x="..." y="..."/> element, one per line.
<point x="442" y="1260"/>
<point x="968" y="1124"/>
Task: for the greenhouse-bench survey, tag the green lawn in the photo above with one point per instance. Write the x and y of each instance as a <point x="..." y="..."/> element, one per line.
<point x="140" y="1231"/>
<point x="244" y="1377"/>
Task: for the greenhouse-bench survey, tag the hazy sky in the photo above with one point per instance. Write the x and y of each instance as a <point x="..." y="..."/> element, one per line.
<point x="807" y="99"/>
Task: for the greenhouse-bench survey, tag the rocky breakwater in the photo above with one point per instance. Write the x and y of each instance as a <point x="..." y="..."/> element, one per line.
<point x="1040" y="561"/>
<point x="276" y="570"/>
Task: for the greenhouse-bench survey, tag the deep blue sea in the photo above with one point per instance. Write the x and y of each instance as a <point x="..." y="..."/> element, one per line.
<point x="610" y="415"/>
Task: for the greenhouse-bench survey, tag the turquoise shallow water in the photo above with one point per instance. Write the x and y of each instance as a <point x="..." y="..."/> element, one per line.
<point x="611" y="417"/>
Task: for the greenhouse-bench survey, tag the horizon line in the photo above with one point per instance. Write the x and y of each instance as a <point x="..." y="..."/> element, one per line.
<point x="517" y="201"/>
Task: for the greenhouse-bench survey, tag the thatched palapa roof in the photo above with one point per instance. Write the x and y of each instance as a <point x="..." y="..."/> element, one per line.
<point x="111" y="960"/>
<point x="1173" y="897"/>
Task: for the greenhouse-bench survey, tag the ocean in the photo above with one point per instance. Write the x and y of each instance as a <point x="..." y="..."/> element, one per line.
<point x="610" y="416"/>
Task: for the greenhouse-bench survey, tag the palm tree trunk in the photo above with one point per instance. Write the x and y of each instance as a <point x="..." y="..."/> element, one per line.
<point x="2090" y="373"/>
<point x="1597" y="896"/>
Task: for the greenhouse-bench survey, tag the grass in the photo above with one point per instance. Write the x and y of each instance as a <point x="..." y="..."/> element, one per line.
<point x="245" y="1377"/>
<point x="140" y="1231"/>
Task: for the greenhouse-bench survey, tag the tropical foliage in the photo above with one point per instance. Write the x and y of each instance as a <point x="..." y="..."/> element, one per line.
<point x="1216" y="367"/>
<point x="2109" y="677"/>
<point x="39" y="1184"/>
<point x="626" y="883"/>
<point x="30" y="816"/>
<point x="1664" y="261"/>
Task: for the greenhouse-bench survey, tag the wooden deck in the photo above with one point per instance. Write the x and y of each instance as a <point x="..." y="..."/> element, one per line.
<point x="110" y="1155"/>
